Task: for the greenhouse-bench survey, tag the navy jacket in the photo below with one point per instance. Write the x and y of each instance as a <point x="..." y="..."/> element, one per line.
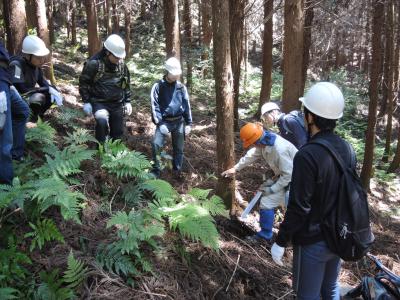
<point x="25" y="76"/>
<point x="314" y="186"/>
<point x="292" y="129"/>
<point x="169" y="101"/>
<point x="4" y="61"/>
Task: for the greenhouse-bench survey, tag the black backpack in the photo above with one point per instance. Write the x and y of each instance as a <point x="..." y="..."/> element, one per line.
<point x="346" y="226"/>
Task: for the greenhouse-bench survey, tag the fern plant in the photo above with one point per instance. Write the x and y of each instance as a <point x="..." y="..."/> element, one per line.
<point x="43" y="135"/>
<point x="75" y="273"/>
<point x="7" y="293"/>
<point x="80" y="136"/>
<point x="43" y="231"/>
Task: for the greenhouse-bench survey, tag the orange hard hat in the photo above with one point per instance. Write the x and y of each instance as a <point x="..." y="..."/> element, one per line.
<point x="250" y="133"/>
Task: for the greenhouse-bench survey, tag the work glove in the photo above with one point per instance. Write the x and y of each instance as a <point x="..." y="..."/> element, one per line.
<point x="87" y="108"/>
<point x="229" y="173"/>
<point x="277" y="253"/>
<point x="128" y="108"/>
<point x="188" y="129"/>
<point x="55" y="96"/>
<point x="164" y="129"/>
<point x="3" y="102"/>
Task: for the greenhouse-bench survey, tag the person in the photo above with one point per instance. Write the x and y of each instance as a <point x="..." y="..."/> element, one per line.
<point x="278" y="154"/>
<point x="104" y="86"/>
<point x="28" y="79"/>
<point x="291" y="125"/>
<point x="171" y="114"/>
<point x="314" y="189"/>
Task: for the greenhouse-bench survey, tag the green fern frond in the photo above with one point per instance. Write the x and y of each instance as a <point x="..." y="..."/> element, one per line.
<point x="53" y="191"/>
<point x="215" y="205"/>
<point x="133" y="194"/>
<point x="199" y="194"/>
<point x="126" y="164"/>
<point x="15" y="193"/>
<point x="7" y="293"/>
<point x="79" y="137"/>
<point x="42" y="134"/>
<point x="109" y="257"/>
<point x="112" y="147"/>
<point x="68" y="116"/>
<point x="51" y="287"/>
<point x="75" y="273"/>
<point x="44" y="231"/>
<point x="161" y="189"/>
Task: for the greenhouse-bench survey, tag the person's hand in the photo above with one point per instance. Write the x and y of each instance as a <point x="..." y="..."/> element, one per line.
<point x="3" y="102"/>
<point x="229" y="173"/>
<point x="188" y="129"/>
<point x="55" y="96"/>
<point x="87" y="108"/>
<point x="164" y="129"/>
<point x="277" y="253"/>
<point x="128" y="108"/>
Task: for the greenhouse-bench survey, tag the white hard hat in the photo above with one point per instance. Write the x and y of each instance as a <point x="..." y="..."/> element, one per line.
<point x="173" y="66"/>
<point x="116" y="45"/>
<point x="269" y="106"/>
<point x="325" y="100"/>
<point x="34" y="45"/>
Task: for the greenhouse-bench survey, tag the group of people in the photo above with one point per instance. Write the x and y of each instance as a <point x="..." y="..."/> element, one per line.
<point x="306" y="168"/>
<point x="104" y="85"/>
<point x="312" y="175"/>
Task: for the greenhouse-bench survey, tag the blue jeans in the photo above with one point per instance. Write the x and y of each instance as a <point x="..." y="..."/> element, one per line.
<point x="315" y="271"/>
<point x="6" y="141"/>
<point x="20" y="114"/>
<point x="177" y="130"/>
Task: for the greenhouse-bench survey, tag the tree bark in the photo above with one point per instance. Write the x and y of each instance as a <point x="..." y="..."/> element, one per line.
<point x="309" y="16"/>
<point x="108" y="17"/>
<point x="389" y="80"/>
<point x="206" y="32"/>
<point x="50" y="11"/>
<point x="171" y="23"/>
<point x="266" y="84"/>
<point x="93" y="37"/>
<point x="292" y="54"/>
<point x="73" y="22"/>
<point x="236" y="16"/>
<point x="115" y="17"/>
<point x="127" y="28"/>
<point x="16" y="30"/>
<point x="187" y="24"/>
<point x="375" y="76"/>
<point x="224" y="101"/>
<point x="30" y="9"/>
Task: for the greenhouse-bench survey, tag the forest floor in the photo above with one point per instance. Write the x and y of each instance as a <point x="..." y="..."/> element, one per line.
<point x="239" y="270"/>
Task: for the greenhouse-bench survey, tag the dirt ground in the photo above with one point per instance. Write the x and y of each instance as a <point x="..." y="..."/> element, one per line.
<point x="239" y="270"/>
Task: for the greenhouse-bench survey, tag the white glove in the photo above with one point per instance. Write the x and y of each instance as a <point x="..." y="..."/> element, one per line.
<point x="128" y="108"/>
<point x="164" y="129"/>
<point x="188" y="129"/>
<point x="55" y="96"/>
<point x="87" y="108"/>
<point x="277" y="254"/>
<point x="3" y="102"/>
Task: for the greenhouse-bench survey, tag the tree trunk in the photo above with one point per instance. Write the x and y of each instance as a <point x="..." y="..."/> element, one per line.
<point x="73" y="22"/>
<point x="224" y="101"/>
<point x="50" y="10"/>
<point x="236" y="17"/>
<point x="292" y="55"/>
<point x="43" y="33"/>
<point x="207" y="32"/>
<point x="375" y="76"/>
<point x="266" y="84"/>
<point x="93" y="37"/>
<point x="187" y="24"/>
<point x="389" y="80"/>
<point x="171" y="23"/>
<point x="128" y="28"/>
<point x="30" y="9"/>
<point x="309" y="16"/>
<point x="108" y="16"/>
<point x="16" y="30"/>
<point x="143" y="4"/>
<point x="367" y="40"/>
<point x="115" y="17"/>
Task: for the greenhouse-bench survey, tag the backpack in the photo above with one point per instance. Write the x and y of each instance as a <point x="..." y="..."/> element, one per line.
<point x="346" y="226"/>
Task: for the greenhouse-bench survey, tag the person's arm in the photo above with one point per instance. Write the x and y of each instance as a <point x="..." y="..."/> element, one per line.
<point x="155" y="105"/>
<point x="251" y="156"/>
<point x="127" y="91"/>
<point x="42" y="82"/>
<point x="187" y="112"/>
<point x="86" y="79"/>
<point x="302" y="189"/>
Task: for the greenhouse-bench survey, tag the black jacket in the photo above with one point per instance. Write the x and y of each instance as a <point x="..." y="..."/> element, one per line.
<point x="4" y="61"/>
<point x="314" y="186"/>
<point x="103" y="81"/>
<point x="25" y="76"/>
<point x="170" y="101"/>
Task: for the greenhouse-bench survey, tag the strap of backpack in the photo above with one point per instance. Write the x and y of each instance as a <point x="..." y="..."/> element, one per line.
<point x="334" y="153"/>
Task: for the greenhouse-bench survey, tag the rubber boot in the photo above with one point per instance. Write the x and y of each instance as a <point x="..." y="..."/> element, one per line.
<point x="266" y="223"/>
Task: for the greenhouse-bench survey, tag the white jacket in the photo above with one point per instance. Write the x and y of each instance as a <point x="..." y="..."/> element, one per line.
<point x="279" y="157"/>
